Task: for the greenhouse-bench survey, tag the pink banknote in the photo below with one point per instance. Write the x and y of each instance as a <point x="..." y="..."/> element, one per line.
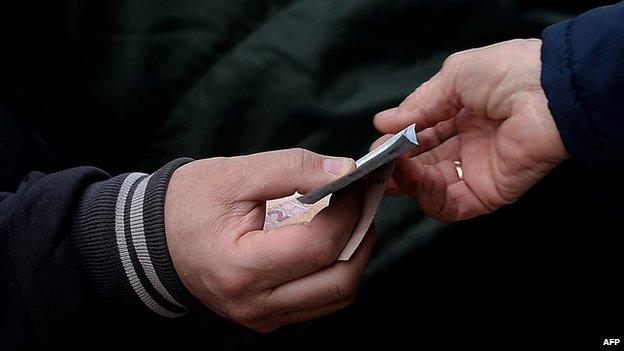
<point x="289" y="210"/>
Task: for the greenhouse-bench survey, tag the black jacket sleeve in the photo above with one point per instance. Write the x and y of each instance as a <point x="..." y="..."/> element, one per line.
<point x="583" y="77"/>
<point x="78" y="245"/>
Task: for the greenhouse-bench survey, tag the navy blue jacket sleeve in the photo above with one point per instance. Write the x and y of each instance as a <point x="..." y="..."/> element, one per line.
<point x="583" y="77"/>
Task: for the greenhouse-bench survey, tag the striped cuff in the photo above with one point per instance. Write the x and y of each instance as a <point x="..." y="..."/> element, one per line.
<point x="119" y="232"/>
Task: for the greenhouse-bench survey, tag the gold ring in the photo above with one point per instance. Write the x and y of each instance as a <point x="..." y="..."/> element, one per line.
<point x="458" y="168"/>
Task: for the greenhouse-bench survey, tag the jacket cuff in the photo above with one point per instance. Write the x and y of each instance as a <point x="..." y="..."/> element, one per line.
<point x="119" y="232"/>
<point x="560" y="83"/>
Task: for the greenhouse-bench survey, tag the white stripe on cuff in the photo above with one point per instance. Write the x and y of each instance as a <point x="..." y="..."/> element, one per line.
<point x="140" y="244"/>
<point x="124" y="254"/>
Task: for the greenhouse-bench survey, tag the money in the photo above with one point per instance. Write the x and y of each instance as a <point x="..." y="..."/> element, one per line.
<point x="375" y="188"/>
<point x="381" y="155"/>
<point x="289" y="210"/>
<point x="374" y="169"/>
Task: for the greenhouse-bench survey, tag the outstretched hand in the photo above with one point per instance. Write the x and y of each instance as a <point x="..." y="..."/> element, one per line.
<point x="487" y="111"/>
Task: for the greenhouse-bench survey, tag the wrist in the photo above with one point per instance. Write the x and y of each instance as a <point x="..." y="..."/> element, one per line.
<point x="119" y="233"/>
<point x="175" y="224"/>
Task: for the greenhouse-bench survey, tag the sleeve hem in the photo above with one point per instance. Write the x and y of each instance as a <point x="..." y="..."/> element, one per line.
<point x="558" y="81"/>
<point x="119" y="233"/>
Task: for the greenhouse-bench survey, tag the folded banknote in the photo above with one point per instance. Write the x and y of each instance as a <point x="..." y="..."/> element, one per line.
<point x="374" y="169"/>
<point x="381" y="155"/>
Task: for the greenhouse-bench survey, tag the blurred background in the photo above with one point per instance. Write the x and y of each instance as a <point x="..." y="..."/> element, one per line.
<point x="128" y="85"/>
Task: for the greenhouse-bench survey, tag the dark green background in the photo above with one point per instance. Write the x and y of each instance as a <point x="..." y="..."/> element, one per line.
<point x="129" y="85"/>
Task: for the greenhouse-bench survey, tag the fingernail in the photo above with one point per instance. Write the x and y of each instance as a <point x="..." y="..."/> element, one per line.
<point x="336" y="166"/>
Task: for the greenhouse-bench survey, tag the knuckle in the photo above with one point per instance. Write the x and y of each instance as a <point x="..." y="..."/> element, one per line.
<point x="298" y="152"/>
<point x="455" y="64"/>
<point x="233" y="285"/>
<point x="411" y="102"/>
<point x="338" y="292"/>
<point x="299" y="158"/>
<point x="421" y="88"/>
<point x="345" y="289"/>
<point x="323" y="253"/>
<point x="451" y="60"/>
<point x="246" y="315"/>
<point x="251" y="312"/>
<point x="304" y="161"/>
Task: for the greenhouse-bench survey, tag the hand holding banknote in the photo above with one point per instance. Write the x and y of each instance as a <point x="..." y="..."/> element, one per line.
<point x="215" y="213"/>
<point x="485" y="129"/>
<point x="372" y="173"/>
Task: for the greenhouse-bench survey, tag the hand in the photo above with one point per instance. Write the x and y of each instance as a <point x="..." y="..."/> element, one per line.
<point x="214" y="214"/>
<point x="485" y="108"/>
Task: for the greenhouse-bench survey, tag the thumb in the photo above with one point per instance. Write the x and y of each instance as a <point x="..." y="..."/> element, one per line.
<point x="280" y="173"/>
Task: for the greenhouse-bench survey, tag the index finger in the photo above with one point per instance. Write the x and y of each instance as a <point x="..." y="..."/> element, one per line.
<point x="433" y="102"/>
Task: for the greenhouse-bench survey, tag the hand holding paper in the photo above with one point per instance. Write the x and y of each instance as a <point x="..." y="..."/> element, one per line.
<point x="375" y="167"/>
<point x="486" y="111"/>
<point x="214" y="213"/>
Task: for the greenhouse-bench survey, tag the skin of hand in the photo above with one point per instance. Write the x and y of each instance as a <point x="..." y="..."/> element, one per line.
<point x="485" y="108"/>
<point x="214" y="215"/>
